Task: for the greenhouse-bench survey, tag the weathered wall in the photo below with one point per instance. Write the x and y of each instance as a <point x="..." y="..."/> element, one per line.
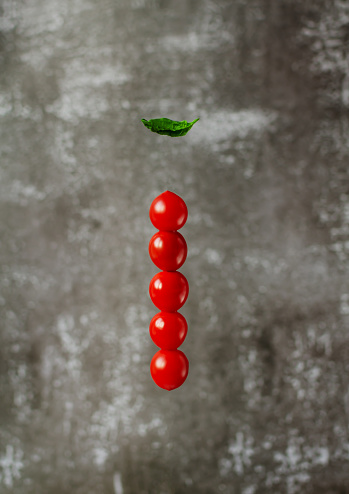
<point x="265" y="176"/>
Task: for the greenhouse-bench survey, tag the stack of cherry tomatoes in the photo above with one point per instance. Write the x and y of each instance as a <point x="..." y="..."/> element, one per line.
<point x="168" y="290"/>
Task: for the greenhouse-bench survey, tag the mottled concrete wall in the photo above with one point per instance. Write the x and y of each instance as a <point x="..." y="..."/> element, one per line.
<point x="265" y="176"/>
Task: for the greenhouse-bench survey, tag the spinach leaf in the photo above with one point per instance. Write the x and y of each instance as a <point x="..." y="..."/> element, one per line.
<point x="165" y="126"/>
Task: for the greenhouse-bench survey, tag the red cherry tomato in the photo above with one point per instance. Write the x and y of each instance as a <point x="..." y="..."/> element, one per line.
<point x="168" y="250"/>
<point x="168" y="212"/>
<point x="168" y="330"/>
<point x="169" y="369"/>
<point x="169" y="290"/>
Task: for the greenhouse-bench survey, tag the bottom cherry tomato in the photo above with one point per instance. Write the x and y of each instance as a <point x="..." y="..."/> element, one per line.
<point x="169" y="369"/>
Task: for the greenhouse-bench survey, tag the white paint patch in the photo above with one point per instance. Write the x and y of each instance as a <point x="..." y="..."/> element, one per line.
<point x="250" y="489"/>
<point x="318" y="455"/>
<point x="323" y="456"/>
<point x="117" y="483"/>
<point x="100" y="456"/>
<point x="81" y="88"/>
<point x="293" y="455"/>
<point x="155" y="424"/>
<point x="84" y="320"/>
<point x="5" y="104"/>
<point x="10" y="16"/>
<point x="242" y="450"/>
<point x="222" y="125"/>
<point x="10" y="466"/>
<point x="213" y="257"/>
<point x="344" y="305"/>
<point x="225" y="465"/>
<point x="21" y="193"/>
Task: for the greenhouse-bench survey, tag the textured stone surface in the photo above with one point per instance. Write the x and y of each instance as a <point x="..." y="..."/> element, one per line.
<point x="265" y="176"/>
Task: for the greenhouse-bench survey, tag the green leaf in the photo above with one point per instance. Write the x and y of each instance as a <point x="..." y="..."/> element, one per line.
<point x="167" y="127"/>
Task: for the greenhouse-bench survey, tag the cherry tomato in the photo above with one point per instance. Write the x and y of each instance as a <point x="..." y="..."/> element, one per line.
<point x="169" y="290"/>
<point x="168" y="212"/>
<point x="168" y="250"/>
<point x="168" y="330"/>
<point x="169" y="369"/>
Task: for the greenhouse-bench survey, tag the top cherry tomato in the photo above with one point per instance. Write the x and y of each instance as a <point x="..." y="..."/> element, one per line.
<point x="168" y="250"/>
<point x="169" y="368"/>
<point x="168" y="212"/>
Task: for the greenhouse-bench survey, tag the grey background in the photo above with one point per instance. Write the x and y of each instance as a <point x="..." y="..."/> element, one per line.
<point x="265" y="176"/>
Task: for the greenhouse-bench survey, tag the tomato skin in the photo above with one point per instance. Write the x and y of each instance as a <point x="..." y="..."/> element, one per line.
<point x="168" y="212"/>
<point x="169" y="369"/>
<point x="168" y="330"/>
<point x="168" y="250"/>
<point x="169" y="290"/>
